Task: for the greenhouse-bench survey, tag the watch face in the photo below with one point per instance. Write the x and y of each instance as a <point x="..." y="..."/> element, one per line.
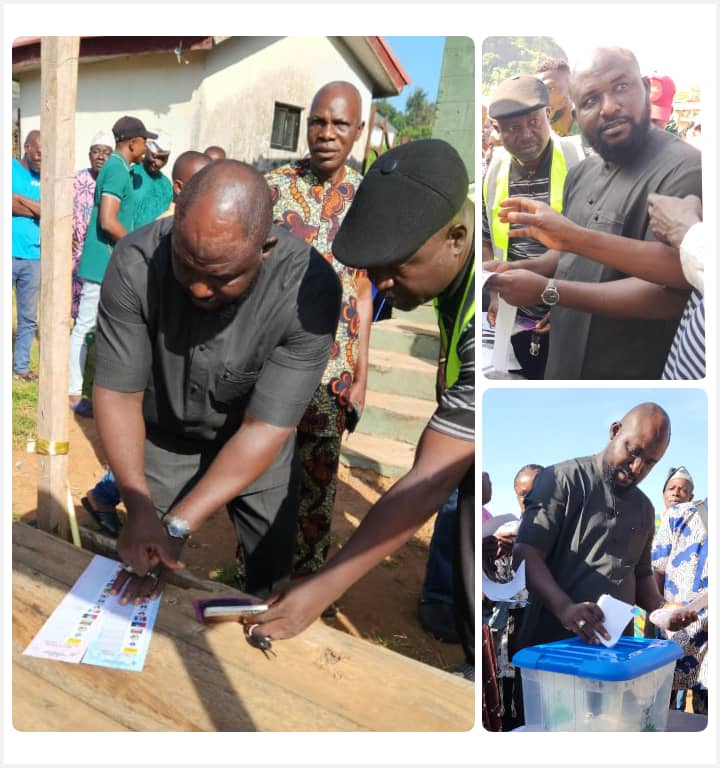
<point x="550" y="295"/>
<point x="178" y="528"/>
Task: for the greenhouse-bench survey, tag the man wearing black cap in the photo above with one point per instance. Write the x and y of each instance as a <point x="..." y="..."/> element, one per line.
<point x="534" y="164"/>
<point x="111" y="219"/>
<point x="412" y="227"/>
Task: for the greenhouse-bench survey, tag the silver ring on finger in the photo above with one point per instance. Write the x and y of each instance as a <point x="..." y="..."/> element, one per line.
<point x="581" y="623"/>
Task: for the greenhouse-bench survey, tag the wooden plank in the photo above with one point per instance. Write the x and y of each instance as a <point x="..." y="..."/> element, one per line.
<point x="58" y="89"/>
<point x="208" y="678"/>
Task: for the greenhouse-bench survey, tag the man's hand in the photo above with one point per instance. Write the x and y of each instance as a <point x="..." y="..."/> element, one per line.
<point x="672" y="217"/>
<point x="138" y="588"/>
<point x="584" y="619"/>
<point x="683" y="619"/>
<point x="540" y="221"/>
<point x="492" y="309"/>
<point x="295" y="607"/>
<point x="356" y="394"/>
<point x="520" y="287"/>
<point x="144" y="543"/>
<point x="543" y="325"/>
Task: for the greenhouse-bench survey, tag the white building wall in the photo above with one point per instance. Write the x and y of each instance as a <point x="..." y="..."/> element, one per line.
<point x="225" y="96"/>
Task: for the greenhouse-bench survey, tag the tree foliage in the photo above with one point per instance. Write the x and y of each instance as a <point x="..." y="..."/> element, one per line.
<point x="416" y="120"/>
<point x="503" y="57"/>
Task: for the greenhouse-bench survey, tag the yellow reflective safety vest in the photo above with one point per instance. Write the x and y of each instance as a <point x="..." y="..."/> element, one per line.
<point x="566" y="152"/>
<point x="466" y="313"/>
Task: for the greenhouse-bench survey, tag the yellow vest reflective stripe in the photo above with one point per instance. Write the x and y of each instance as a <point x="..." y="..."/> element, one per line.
<point x="498" y="229"/>
<point x="465" y="314"/>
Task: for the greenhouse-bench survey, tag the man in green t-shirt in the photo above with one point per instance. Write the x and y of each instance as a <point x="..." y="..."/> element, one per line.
<point x="152" y="190"/>
<point x="112" y="218"/>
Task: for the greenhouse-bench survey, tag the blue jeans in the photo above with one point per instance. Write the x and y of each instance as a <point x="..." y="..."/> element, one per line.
<point x="438" y="586"/>
<point x="106" y="490"/>
<point x="84" y="323"/>
<point x="26" y="281"/>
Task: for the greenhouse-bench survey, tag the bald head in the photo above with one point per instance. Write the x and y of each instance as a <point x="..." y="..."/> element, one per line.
<point x="339" y="88"/>
<point x="230" y="190"/>
<point x="595" y="61"/>
<point x="637" y="443"/>
<point x="185" y="167"/>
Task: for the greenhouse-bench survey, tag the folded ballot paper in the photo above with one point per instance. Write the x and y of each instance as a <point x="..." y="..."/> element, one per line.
<point x="90" y="626"/>
<point x="617" y="616"/>
<point x="663" y="616"/>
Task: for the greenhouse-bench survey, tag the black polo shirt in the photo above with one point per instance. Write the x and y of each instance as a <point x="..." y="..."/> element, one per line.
<point x="201" y="370"/>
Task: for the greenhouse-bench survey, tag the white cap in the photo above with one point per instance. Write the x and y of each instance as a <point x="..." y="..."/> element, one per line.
<point x="162" y="145"/>
<point x="103" y="139"/>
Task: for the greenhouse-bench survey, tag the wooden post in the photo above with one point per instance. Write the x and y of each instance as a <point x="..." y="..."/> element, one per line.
<point x="58" y="90"/>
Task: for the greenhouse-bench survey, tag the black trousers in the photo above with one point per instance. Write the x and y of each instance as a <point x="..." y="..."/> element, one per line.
<point x="464" y="566"/>
<point x="264" y="515"/>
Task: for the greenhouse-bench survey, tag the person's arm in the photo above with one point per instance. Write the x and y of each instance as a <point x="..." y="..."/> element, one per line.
<point x="487" y="251"/>
<point x="108" y="218"/>
<point x="245" y="456"/>
<point x="25" y="206"/>
<point x="544" y="265"/>
<point x="625" y="298"/>
<point x="365" y="311"/>
<point x="441" y="462"/>
<point x="650" y="260"/>
<point x="581" y="618"/>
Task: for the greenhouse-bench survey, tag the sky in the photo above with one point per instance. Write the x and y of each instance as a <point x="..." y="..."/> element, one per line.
<point x="545" y="426"/>
<point x="421" y="58"/>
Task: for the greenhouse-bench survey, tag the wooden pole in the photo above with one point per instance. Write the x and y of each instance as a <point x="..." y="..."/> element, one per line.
<point x="58" y="90"/>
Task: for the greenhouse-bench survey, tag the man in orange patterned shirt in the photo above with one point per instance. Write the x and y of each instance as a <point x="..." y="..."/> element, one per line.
<point x="310" y="198"/>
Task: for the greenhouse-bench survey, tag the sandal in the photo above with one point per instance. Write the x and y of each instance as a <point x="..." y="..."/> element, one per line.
<point x="107" y="519"/>
<point x="83" y="408"/>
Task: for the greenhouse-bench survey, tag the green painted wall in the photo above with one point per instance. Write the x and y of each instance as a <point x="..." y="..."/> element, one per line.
<point x="455" y="115"/>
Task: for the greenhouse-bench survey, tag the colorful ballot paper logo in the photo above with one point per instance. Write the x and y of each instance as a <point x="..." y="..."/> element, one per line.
<point x="90" y="626"/>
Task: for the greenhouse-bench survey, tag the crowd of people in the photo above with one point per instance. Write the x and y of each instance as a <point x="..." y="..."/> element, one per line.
<point x="591" y="213"/>
<point x="230" y="314"/>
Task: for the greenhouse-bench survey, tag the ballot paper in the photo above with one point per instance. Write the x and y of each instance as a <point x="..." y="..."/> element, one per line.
<point x="663" y="616"/>
<point x="503" y="331"/>
<point x="617" y="616"/>
<point x="91" y="627"/>
<point x="497" y="591"/>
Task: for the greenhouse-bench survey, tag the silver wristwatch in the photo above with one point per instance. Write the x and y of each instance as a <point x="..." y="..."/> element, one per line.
<point x="550" y="295"/>
<point x="177" y="527"/>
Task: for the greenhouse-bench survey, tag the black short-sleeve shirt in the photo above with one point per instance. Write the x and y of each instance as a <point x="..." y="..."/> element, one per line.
<point x="200" y="371"/>
<point x="595" y="541"/>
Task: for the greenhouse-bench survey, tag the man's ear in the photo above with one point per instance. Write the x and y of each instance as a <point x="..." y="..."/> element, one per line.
<point x="458" y="236"/>
<point x="360" y="129"/>
<point x="615" y="427"/>
<point x="267" y="247"/>
<point x="177" y="187"/>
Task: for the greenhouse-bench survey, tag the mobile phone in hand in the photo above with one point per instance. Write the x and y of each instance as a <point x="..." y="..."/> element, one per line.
<point x="216" y="609"/>
<point x="352" y="417"/>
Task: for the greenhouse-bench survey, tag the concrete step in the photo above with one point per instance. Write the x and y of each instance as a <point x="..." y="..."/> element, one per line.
<point x="425" y="313"/>
<point x="395" y="416"/>
<point x="401" y="374"/>
<point x="389" y="458"/>
<point x="407" y="337"/>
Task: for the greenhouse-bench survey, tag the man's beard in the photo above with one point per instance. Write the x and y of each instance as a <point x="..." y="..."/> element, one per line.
<point x="610" y="475"/>
<point x="623" y="154"/>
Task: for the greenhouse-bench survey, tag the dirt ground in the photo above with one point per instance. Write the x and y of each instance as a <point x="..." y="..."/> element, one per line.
<point x="382" y="607"/>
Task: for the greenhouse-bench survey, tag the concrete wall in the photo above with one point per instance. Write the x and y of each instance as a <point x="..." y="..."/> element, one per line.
<point x="225" y="96"/>
<point x="455" y="115"/>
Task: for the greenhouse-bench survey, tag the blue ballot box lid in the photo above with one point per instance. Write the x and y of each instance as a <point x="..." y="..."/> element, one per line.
<point x="628" y="659"/>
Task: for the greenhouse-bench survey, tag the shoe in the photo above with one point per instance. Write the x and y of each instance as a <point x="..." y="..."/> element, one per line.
<point x="25" y="376"/>
<point x="107" y="519"/>
<point x="83" y="407"/>
<point x="464" y="669"/>
<point x="438" y="619"/>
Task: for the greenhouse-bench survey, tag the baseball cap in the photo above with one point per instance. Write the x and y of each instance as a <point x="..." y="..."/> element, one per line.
<point x="131" y="128"/>
<point x="161" y="145"/>
<point x="518" y="95"/>
<point x="662" y="91"/>
<point x="408" y="194"/>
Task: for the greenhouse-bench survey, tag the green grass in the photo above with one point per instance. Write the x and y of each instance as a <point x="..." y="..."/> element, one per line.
<point x="24" y="404"/>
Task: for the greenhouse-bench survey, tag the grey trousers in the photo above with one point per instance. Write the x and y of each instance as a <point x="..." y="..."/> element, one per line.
<point x="264" y="515"/>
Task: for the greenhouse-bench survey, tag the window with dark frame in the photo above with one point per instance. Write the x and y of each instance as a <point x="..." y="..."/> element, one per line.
<point x="286" y="127"/>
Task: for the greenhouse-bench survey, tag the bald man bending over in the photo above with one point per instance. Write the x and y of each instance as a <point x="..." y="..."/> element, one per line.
<point x="587" y="531"/>
<point x="214" y="329"/>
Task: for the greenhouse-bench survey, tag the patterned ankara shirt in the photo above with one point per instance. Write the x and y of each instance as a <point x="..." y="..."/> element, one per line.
<point x="83" y="201"/>
<point x="680" y="550"/>
<point x="313" y="211"/>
